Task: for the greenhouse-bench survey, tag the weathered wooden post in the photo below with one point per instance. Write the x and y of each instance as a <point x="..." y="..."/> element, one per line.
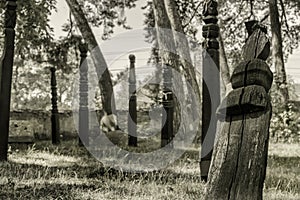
<point x="6" y="67"/>
<point x="132" y="116"/>
<point x="168" y="105"/>
<point x="211" y="84"/>
<point x="83" y="97"/>
<point x="239" y="161"/>
<point x="54" y="113"/>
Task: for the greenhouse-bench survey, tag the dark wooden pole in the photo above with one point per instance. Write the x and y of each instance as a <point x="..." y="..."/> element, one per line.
<point x="83" y="99"/>
<point x="211" y="84"/>
<point x="168" y="105"/>
<point x="132" y="116"/>
<point x="54" y="114"/>
<point x="6" y="67"/>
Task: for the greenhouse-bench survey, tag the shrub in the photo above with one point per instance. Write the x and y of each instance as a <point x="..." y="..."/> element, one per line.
<point x="285" y="122"/>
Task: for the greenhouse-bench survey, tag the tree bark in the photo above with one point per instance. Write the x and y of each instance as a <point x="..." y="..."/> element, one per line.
<point x="277" y="53"/>
<point x="105" y="83"/>
<point x="224" y="68"/>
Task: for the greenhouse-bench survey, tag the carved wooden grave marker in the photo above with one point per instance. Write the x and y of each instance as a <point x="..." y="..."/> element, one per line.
<point x="6" y="67"/>
<point x="54" y="112"/>
<point x="83" y="97"/>
<point x="132" y="116"/>
<point x="211" y="84"/>
<point x="168" y="106"/>
<point x="240" y="154"/>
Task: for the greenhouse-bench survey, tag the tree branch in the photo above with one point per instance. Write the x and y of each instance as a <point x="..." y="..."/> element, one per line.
<point x="194" y="14"/>
<point x="285" y="18"/>
<point x="265" y="17"/>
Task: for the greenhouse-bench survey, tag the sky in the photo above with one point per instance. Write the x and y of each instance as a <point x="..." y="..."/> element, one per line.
<point x="123" y="42"/>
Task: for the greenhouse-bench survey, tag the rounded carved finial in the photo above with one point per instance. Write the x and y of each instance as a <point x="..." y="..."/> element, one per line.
<point x="53" y="69"/>
<point x="83" y="48"/>
<point x="132" y="57"/>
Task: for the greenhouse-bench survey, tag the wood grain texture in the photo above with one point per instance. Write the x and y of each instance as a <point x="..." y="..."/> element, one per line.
<point x="240" y="153"/>
<point x="239" y="159"/>
<point x="257" y="46"/>
<point x="244" y="100"/>
<point x="256" y="72"/>
<point x="6" y="70"/>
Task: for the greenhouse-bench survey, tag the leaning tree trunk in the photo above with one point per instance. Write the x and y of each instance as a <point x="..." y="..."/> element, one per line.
<point x="225" y="74"/>
<point x="277" y="53"/>
<point x="239" y="161"/>
<point x="193" y="91"/>
<point x="224" y="68"/>
<point x="168" y="53"/>
<point x="182" y="45"/>
<point x="105" y="83"/>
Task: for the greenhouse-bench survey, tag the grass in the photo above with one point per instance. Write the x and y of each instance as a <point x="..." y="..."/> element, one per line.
<point x="44" y="171"/>
<point x="283" y="172"/>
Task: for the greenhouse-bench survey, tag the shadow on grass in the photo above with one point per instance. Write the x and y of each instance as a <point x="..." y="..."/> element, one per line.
<point x="44" y="191"/>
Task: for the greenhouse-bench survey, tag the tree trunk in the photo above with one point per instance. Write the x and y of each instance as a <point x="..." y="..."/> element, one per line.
<point x="105" y="83"/>
<point x="277" y="53"/>
<point x="224" y="68"/>
<point x="167" y="52"/>
<point x="193" y="92"/>
<point x="182" y="45"/>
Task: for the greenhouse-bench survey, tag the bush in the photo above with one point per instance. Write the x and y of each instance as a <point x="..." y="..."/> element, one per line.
<point x="285" y="122"/>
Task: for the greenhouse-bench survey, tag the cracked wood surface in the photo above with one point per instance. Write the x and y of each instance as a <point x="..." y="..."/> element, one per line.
<point x="239" y="162"/>
<point x="240" y="156"/>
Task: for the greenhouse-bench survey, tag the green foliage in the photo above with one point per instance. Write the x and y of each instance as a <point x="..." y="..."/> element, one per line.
<point x="285" y="122"/>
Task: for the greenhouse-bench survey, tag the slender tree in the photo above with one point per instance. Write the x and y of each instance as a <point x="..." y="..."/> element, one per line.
<point x="169" y="59"/>
<point x="224" y="66"/>
<point x="182" y="45"/>
<point x="277" y="52"/>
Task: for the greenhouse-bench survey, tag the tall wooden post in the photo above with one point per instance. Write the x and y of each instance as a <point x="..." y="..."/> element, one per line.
<point x="83" y="97"/>
<point x="211" y="84"/>
<point x="54" y="114"/>
<point x="132" y="116"/>
<point x="240" y="154"/>
<point x="6" y="67"/>
<point x="168" y="105"/>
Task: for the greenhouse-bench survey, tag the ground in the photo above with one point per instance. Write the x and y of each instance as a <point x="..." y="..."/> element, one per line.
<point x="43" y="171"/>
